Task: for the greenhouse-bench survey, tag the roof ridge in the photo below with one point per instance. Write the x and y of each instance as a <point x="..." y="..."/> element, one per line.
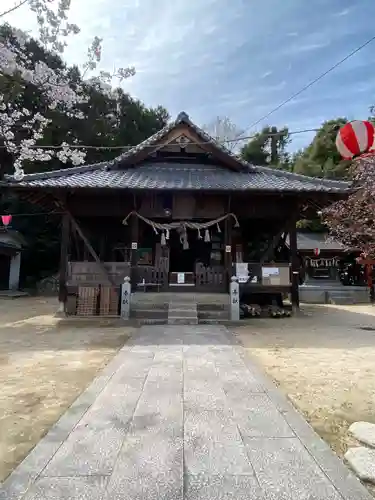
<point x="182" y="117"/>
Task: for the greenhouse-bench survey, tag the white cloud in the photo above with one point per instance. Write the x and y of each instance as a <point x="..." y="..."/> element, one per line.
<point x="209" y="59"/>
<point x="342" y="13"/>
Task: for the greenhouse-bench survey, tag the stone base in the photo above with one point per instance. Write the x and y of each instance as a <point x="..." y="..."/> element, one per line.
<point x="333" y="294"/>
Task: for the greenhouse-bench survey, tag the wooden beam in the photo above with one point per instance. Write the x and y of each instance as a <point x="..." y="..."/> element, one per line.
<point x="134" y="234"/>
<point x="294" y="264"/>
<point x="228" y="242"/>
<point x="91" y="250"/>
<point x="65" y="230"/>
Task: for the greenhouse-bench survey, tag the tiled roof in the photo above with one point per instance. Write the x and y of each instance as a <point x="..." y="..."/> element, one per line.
<point x="182" y="118"/>
<point x="309" y="241"/>
<point x="120" y="173"/>
<point x="11" y="238"/>
<point x="180" y="176"/>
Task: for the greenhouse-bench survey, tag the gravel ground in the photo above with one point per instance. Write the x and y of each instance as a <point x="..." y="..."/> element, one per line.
<point x="44" y="365"/>
<point x="324" y="361"/>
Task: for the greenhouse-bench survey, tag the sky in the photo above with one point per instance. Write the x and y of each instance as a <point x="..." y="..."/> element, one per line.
<point x="237" y="58"/>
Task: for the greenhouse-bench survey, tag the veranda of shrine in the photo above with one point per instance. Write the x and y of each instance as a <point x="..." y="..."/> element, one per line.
<point x="177" y="213"/>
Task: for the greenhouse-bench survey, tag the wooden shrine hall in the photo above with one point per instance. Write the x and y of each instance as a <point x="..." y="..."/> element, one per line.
<point x="178" y="212"/>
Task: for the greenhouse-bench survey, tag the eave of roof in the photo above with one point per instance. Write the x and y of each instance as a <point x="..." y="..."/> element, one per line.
<point x="180" y="177"/>
<point x="109" y="174"/>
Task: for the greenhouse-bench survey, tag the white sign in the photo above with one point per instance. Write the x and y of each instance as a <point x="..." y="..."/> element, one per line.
<point x="270" y="271"/>
<point x="228" y="249"/>
<point x="134" y="245"/>
<point x="180" y="278"/>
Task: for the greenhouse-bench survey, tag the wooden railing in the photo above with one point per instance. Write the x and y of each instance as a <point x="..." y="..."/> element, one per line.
<point x="210" y="279"/>
<point x="89" y="273"/>
<point x="149" y="278"/>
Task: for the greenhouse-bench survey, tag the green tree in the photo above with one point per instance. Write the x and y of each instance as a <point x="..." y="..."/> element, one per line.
<point x="268" y="147"/>
<point x="321" y="157"/>
<point x="110" y="119"/>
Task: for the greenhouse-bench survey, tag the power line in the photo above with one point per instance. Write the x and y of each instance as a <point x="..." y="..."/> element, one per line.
<point x="313" y="82"/>
<point x="190" y="143"/>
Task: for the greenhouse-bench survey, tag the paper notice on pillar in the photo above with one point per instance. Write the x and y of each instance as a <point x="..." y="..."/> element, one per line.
<point x="180" y="278"/>
<point x="242" y="272"/>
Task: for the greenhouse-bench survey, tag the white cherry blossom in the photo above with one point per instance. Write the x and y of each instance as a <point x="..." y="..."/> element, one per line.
<point x="16" y="61"/>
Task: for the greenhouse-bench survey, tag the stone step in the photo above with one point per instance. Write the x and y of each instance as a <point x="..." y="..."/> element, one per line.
<point x="151" y="321"/>
<point x="211" y="314"/>
<point x="188" y="313"/>
<point x="176" y="320"/>
<point x="182" y="305"/>
<point x="219" y="322"/>
<point x="214" y="307"/>
<point x="182" y="312"/>
<point x="149" y="313"/>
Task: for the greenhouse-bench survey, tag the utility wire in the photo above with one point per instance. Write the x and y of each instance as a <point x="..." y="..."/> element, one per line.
<point x="313" y="82"/>
<point x="189" y="143"/>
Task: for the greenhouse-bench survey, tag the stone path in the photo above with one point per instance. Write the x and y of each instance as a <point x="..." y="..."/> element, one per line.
<point x="181" y="413"/>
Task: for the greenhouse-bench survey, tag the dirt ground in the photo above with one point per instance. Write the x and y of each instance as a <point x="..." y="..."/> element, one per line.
<point x="44" y="365"/>
<point x="324" y="361"/>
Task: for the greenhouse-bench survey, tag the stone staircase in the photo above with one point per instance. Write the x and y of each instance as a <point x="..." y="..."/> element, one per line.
<point x="182" y="311"/>
<point x="179" y="308"/>
<point x="150" y="314"/>
<point x="213" y="313"/>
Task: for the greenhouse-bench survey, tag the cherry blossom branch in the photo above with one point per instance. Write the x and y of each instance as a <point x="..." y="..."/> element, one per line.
<point x="15" y="7"/>
<point x="16" y="61"/>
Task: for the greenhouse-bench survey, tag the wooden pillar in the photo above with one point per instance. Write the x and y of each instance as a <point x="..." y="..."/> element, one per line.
<point x="134" y="235"/>
<point x="227" y="245"/>
<point x="65" y="231"/>
<point x="294" y="265"/>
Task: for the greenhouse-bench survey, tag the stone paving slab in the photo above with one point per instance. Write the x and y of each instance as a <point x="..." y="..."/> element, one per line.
<point x="364" y="432"/>
<point x="362" y="460"/>
<point x="182" y="413"/>
<point x="285" y="470"/>
<point x="66" y="488"/>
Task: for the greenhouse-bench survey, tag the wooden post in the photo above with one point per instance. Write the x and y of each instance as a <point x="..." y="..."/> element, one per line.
<point x="134" y="233"/>
<point x="228" y="249"/>
<point x="294" y="265"/>
<point x="63" y="292"/>
<point x="228" y="245"/>
<point x="234" y="292"/>
<point x="125" y="298"/>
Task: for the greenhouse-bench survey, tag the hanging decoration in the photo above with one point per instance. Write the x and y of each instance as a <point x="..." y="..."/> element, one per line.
<point x="355" y="138"/>
<point x="316" y="251"/>
<point x="6" y="220"/>
<point x="182" y="226"/>
<point x="332" y="262"/>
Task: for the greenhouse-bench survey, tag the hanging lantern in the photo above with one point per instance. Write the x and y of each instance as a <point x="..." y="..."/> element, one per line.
<point x="6" y="219"/>
<point x="316" y="252"/>
<point x="355" y="138"/>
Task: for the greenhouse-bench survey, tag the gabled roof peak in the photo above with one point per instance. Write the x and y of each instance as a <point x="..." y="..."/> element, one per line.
<point x="182" y="117"/>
